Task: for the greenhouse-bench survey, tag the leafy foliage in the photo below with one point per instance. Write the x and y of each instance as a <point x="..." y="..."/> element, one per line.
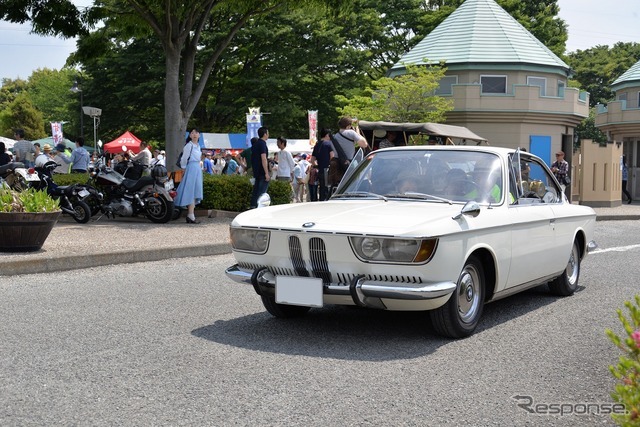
<point x="627" y="371"/>
<point x="587" y="129"/>
<point x="407" y="98"/>
<point x="597" y="68"/>
<point x="20" y="113"/>
<point x="30" y="200"/>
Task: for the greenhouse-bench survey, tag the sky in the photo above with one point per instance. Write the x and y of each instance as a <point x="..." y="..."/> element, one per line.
<point x="590" y="23"/>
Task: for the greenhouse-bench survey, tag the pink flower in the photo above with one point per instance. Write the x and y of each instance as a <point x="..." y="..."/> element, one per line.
<point x="636" y="337"/>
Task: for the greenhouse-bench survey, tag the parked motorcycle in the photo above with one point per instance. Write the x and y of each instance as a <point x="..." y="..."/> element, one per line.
<point x="17" y="176"/>
<point x="72" y="198"/>
<point x="148" y="195"/>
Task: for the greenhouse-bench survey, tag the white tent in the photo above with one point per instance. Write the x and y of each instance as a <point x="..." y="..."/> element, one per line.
<point x="8" y="142"/>
<point x="294" y="146"/>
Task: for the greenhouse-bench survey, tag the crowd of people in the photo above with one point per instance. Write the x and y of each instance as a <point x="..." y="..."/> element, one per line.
<point x="32" y="154"/>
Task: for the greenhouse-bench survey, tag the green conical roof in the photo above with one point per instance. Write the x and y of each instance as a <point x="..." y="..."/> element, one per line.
<point x="480" y="32"/>
<point x="631" y="75"/>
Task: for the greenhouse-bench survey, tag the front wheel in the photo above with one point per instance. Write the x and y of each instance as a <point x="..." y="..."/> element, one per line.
<point x="459" y="317"/>
<point x="159" y="209"/>
<point x="283" y="310"/>
<point x="567" y="283"/>
<point x="81" y="211"/>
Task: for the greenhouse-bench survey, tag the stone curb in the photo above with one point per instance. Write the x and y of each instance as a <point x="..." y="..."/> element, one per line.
<point x="65" y="263"/>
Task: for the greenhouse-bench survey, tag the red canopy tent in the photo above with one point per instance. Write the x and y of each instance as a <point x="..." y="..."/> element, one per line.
<point x="127" y="139"/>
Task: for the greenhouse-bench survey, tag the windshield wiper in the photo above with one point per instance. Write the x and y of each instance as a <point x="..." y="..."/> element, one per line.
<point x="359" y="194"/>
<point x="419" y="196"/>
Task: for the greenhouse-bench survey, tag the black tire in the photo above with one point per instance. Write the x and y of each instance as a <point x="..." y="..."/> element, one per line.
<point x="177" y="213"/>
<point x="159" y="209"/>
<point x="94" y="204"/>
<point x="567" y="283"/>
<point x="459" y="317"/>
<point x="82" y="212"/>
<point x="283" y="310"/>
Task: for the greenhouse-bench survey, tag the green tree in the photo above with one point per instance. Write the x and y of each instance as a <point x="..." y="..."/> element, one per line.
<point x="49" y="91"/>
<point x="20" y="113"/>
<point x="407" y="98"/>
<point x="598" y="67"/>
<point x="124" y="77"/>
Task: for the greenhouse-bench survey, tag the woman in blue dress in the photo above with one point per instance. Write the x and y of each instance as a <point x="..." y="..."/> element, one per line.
<point x="190" y="189"/>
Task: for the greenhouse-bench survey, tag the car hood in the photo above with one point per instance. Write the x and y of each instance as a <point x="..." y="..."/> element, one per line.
<point x="357" y="216"/>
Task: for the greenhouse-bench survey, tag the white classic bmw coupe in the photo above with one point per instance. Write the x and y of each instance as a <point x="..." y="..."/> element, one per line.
<point x="444" y="229"/>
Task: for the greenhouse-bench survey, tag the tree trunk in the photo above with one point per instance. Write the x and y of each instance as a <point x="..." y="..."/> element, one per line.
<point x="175" y="122"/>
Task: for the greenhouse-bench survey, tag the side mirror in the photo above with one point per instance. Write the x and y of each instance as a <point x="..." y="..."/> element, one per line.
<point x="470" y="208"/>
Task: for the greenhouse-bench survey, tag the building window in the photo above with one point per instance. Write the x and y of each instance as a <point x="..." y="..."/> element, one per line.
<point x="638" y="99"/>
<point x="493" y="84"/>
<point x="446" y="85"/>
<point x="561" y="86"/>
<point x="541" y="82"/>
<point x="622" y="97"/>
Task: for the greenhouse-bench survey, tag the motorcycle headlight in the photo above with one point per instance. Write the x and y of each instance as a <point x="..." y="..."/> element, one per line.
<point x="249" y="240"/>
<point x="379" y="249"/>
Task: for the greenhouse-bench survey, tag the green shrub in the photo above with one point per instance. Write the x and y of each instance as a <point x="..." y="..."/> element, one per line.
<point x="233" y="192"/>
<point x="627" y="371"/>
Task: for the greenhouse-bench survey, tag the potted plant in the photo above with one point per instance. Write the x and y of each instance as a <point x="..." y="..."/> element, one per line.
<point x="26" y="219"/>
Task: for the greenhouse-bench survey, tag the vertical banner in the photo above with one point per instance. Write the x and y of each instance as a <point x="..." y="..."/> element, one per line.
<point x="254" y="121"/>
<point x="56" y="132"/>
<point x="313" y="127"/>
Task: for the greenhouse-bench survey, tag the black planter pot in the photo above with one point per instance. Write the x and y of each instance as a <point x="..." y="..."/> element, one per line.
<point x="25" y="231"/>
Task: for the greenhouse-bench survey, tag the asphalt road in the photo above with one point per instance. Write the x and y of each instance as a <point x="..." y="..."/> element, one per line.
<point x="176" y="343"/>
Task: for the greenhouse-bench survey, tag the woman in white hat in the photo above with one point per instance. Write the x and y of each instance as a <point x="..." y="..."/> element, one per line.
<point x="44" y="157"/>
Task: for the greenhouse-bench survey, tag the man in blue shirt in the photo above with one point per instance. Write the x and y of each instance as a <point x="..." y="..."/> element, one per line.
<point x="80" y="157"/>
<point x="322" y="155"/>
<point x="207" y="164"/>
<point x="259" y="154"/>
<point x="232" y="165"/>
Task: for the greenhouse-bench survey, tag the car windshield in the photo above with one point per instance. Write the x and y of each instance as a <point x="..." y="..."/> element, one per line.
<point x="431" y="174"/>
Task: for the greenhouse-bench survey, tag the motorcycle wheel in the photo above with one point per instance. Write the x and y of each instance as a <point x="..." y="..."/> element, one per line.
<point x="94" y="204"/>
<point x="82" y="212"/>
<point x="159" y="209"/>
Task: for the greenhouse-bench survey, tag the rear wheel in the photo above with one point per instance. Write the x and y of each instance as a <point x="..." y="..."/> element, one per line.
<point x="81" y="211"/>
<point x="459" y="317"/>
<point x="159" y="209"/>
<point x="567" y="283"/>
<point x="283" y="310"/>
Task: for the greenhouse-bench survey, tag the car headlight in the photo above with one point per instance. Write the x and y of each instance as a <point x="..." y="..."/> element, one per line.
<point x="249" y="240"/>
<point x="379" y="249"/>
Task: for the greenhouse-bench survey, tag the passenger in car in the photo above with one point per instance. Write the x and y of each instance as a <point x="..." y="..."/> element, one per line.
<point x="406" y="183"/>
<point x="457" y="183"/>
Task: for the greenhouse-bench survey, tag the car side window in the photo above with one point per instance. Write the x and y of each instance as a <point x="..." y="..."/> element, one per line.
<point x="533" y="184"/>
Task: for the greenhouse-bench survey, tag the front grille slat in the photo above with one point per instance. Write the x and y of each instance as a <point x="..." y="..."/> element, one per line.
<point x="318" y="257"/>
<point x="295" y="253"/>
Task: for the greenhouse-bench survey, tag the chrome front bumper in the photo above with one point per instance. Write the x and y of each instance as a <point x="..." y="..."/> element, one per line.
<point x="365" y="293"/>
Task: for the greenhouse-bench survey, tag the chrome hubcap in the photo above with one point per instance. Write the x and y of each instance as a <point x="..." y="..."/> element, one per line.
<point x="468" y="294"/>
<point x="573" y="268"/>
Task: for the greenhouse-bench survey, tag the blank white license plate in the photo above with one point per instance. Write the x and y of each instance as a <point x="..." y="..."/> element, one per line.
<point x="168" y="185"/>
<point x="299" y="291"/>
<point x="83" y="193"/>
